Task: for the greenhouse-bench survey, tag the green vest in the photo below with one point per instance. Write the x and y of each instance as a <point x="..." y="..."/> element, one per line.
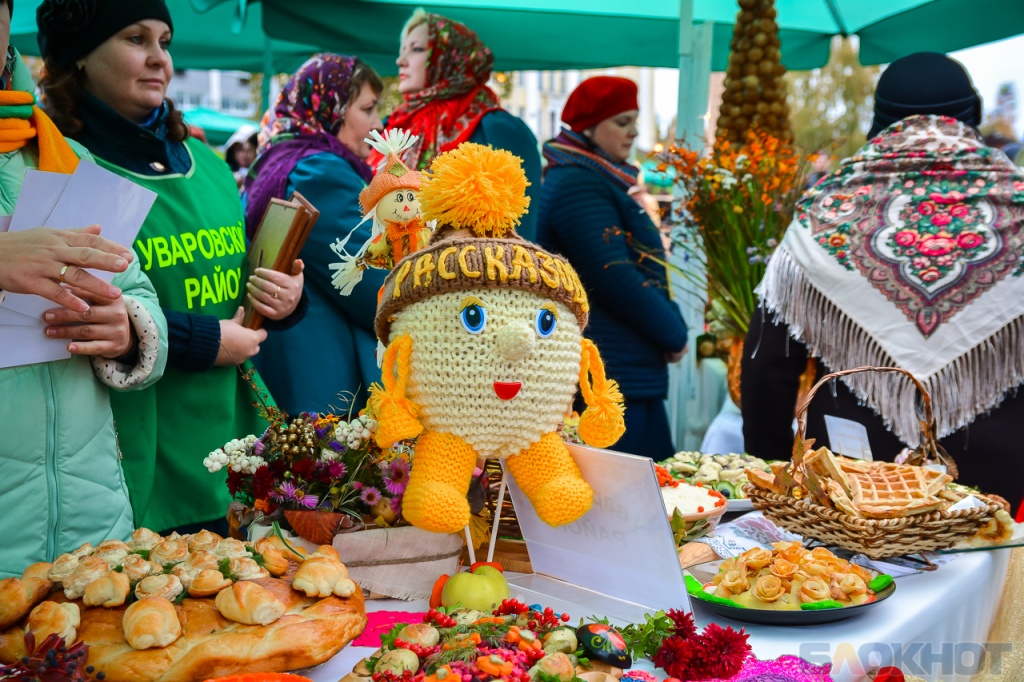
<point x="192" y="246"/>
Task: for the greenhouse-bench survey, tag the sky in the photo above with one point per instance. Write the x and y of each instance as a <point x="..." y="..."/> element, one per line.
<point x="990" y="65"/>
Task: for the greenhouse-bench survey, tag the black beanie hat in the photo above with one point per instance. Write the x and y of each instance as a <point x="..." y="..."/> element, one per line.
<point x="71" y="29"/>
<point x="928" y="83"/>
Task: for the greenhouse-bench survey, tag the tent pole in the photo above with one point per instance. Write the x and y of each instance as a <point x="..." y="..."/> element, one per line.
<point x="268" y="75"/>
<point x="690" y="393"/>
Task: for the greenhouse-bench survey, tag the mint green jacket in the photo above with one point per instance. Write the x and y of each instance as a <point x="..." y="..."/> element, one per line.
<point x="61" y="482"/>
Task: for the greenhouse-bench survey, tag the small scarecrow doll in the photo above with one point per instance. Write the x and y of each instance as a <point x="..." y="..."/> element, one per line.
<point x="485" y="349"/>
<point x="391" y="202"/>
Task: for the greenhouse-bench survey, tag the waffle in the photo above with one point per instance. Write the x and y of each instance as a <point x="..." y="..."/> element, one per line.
<point x="895" y="490"/>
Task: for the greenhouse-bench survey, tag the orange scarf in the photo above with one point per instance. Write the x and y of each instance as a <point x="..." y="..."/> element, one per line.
<point x="55" y="154"/>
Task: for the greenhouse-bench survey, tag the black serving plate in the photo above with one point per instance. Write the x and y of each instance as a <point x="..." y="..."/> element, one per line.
<point x="800" y="617"/>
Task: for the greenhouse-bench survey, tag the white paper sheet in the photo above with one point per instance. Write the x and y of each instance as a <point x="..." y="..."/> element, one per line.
<point x="92" y="196"/>
<point x="28" y="345"/>
<point x="40" y="192"/>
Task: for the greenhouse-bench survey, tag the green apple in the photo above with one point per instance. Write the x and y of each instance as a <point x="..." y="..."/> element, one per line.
<point x="483" y="589"/>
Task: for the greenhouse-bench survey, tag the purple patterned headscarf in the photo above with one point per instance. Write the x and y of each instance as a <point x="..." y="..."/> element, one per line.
<point x="307" y="118"/>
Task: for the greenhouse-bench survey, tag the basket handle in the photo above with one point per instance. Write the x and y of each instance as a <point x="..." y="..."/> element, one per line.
<point x="929" y="449"/>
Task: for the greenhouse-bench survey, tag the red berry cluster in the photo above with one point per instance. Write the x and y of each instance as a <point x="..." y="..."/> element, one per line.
<point x="418" y="649"/>
<point x="439" y="619"/>
<point x="546" y="620"/>
<point x="510" y="607"/>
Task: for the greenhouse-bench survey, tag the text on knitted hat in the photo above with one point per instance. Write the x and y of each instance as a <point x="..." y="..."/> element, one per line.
<point x="597" y="99"/>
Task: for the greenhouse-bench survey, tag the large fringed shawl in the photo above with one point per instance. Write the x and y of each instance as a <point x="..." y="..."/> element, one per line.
<point x="910" y="255"/>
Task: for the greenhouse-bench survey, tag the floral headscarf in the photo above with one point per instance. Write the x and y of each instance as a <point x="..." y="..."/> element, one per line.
<point x="447" y="111"/>
<point x="306" y="121"/>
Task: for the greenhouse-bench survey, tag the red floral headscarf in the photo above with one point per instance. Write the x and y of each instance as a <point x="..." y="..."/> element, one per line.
<point x="447" y="111"/>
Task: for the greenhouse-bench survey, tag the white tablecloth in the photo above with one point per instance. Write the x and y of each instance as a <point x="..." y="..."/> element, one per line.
<point x="937" y="621"/>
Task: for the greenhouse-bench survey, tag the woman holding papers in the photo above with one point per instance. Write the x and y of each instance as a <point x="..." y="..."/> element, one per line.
<point x="62" y="483"/>
<point x="316" y="147"/>
<point x="107" y="72"/>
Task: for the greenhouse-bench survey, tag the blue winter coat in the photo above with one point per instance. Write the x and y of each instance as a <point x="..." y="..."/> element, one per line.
<point x="502" y="130"/>
<point x="333" y="349"/>
<point x="633" y="320"/>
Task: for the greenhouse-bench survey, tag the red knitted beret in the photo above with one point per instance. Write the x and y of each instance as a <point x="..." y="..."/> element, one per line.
<point x="597" y="99"/>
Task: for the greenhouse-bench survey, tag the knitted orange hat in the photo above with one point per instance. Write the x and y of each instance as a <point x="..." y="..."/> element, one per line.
<point x="392" y="174"/>
<point x="477" y="195"/>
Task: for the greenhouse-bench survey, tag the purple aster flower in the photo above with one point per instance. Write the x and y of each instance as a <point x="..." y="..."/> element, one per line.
<point x="258" y="448"/>
<point x="308" y="501"/>
<point x="396" y="504"/>
<point x="370" y="496"/>
<point x="356" y="485"/>
<point x="335" y="445"/>
<point x="396" y="476"/>
<point x="285" y="493"/>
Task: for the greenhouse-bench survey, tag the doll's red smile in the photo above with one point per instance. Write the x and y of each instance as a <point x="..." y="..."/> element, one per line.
<point x="506" y="390"/>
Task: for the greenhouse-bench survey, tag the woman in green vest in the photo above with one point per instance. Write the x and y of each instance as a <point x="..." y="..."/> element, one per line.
<point x="107" y="72"/>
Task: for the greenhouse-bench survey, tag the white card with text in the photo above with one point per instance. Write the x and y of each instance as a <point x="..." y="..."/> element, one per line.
<point x="849" y="438"/>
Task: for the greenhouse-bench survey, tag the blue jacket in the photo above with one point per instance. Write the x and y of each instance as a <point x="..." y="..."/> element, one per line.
<point x="502" y="130"/>
<point x="334" y="348"/>
<point x="633" y="320"/>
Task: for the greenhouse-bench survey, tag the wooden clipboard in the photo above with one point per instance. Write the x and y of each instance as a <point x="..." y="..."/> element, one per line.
<point x="278" y="240"/>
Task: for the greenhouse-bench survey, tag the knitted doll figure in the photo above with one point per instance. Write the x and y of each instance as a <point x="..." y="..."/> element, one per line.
<point x="485" y="350"/>
<point x="390" y="201"/>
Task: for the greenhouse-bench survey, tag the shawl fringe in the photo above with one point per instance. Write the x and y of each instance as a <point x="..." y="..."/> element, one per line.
<point x="970" y="386"/>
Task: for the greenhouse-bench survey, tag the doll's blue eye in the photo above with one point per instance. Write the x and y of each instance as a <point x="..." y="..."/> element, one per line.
<point x="474" y="318"/>
<point x="546" y="322"/>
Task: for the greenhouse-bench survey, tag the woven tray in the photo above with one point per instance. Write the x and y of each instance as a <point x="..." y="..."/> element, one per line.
<point x="876" y="538"/>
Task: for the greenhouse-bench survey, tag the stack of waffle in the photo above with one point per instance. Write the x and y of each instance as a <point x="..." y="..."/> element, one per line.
<point x="876" y="490"/>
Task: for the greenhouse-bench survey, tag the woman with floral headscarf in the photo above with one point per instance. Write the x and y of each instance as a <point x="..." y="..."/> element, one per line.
<point x="443" y="68"/>
<point x="315" y="145"/>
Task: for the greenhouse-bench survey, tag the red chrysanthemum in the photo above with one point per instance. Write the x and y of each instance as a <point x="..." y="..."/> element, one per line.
<point x="236" y="480"/>
<point x="277" y="468"/>
<point x="723" y="651"/>
<point x="303" y="469"/>
<point x="674" y="656"/>
<point x="262" y="483"/>
<point x="683" y="622"/>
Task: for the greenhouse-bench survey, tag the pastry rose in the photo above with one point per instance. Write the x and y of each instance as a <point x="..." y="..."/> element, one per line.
<point x="62" y="567"/>
<point x="790" y="551"/>
<point x="144" y="538"/>
<point x="201" y="559"/>
<point x="169" y="552"/>
<point x="756" y="558"/>
<point x="109" y="591"/>
<point x="84" y="550"/>
<point x="768" y="589"/>
<point x="230" y="547"/>
<point x="860" y="572"/>
<point x="845" y="586"/>
<point x="291" y="552"/>
<point x="815" y="569"/>
<point x="166" y="586"/>
<point x="733" y="582"/>
<point x="52" y="618"/>
<point x="136" y="568"/>
<point x="813" y="590"/>
<point x="784" y="570"/>
<point x="826" y="557"/>
<point x="150" y="623"/>
<point x="723" y="568"/>
<point x="89" y="569"/>
<point x="250" y="604"/>
<point x="273" y="559"/>
<point x="207" y="583"/>
<point x="204" y="539"/>
<point x="246" y="568"/>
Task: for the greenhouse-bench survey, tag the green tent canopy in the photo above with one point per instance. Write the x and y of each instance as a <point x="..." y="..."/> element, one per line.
<point x="217" y="126"/>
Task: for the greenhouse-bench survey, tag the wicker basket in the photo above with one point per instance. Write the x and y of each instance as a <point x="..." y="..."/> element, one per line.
<point x="876" y="538"/>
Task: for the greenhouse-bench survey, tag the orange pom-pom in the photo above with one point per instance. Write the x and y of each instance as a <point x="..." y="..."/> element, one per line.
<point x="477" y="188"/>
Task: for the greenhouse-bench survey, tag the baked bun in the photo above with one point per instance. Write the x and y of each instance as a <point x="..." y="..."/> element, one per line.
<point x="320" y="576"/>
<point x="204" y="539"/>
<point x="112" y="552"/>
<point x="18" y="596"/>
<point x="207" y="583"/>
<point x="273" y="558"/>
<point x="144" y="538"/>
<point x="151" y="623"/>
<point x="165" y="585"/>
<point x="62" y="567"/>
<point x="89" y="569"/>
<point x="249" y="603"/>
<point x="110" y="590"/>
<point x="85" y="550"/>
<point x="136" y="568"/>
<point x="327" y="551"/>
<point x="291" y="552"/>
<point x="229" y="548"/>
<point x="52" y="618"/>
<point x="37" y="570"/>
<point x="169" y="552"/>
<point x="246" y="568"/>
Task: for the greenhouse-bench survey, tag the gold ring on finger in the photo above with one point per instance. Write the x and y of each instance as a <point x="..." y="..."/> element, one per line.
<point x="64" y="271"/>
<point x="277" y="292"/>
